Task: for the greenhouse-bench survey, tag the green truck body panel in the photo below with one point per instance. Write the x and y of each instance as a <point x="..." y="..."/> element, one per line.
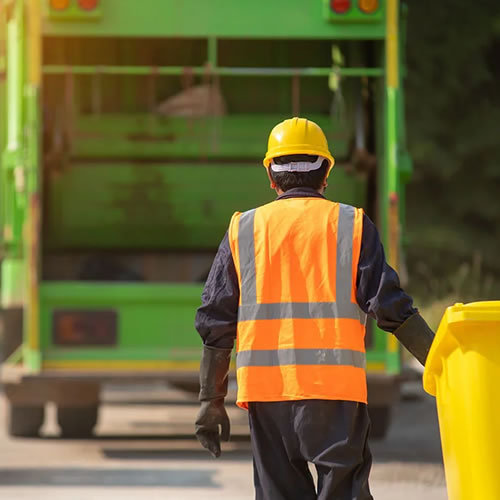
<point x="92" y="169"/>
<point x="294" y="19"/>
<point x="131" y="203"/>
<point x="155" y="320"/>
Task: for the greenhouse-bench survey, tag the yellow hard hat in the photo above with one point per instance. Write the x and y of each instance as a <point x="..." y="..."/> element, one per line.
<point x="297" y="136"/>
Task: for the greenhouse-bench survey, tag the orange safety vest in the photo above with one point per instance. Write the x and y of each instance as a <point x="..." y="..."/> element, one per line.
<point x="300" y="330"/>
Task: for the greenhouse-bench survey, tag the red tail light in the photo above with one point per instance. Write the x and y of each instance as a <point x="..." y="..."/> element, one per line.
<point x="88" y="4"/>
<point x="340" y="6"/>
<point x="85" y="328"/>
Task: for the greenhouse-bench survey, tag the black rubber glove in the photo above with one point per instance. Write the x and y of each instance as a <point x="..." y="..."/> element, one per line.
<point x="416" y="335"/>
<point x="214" y="369"/>
<point x="212" y="415"/>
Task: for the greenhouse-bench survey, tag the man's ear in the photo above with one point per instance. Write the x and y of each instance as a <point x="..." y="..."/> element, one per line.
<point x="324" y="185"/>
<point x="273" y="184"/>
<point x="325" y="181"/>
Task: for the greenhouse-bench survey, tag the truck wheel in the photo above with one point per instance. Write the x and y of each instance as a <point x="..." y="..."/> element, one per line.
<point x="25" y="421"/>
<point x="380" y="417"/>
<point x="77" y="422"/>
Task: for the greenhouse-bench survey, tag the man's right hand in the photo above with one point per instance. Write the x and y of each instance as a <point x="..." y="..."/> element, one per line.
<point x="212" y="414"/>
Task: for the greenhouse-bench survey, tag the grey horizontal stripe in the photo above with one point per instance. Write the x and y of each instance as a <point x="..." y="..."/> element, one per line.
<point x="299" y="310"/>
<point x="282" y="357"/>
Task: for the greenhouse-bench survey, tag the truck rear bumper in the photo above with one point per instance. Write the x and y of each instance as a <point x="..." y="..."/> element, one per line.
<point x="17" y="375"/>
<point x="73" y="388"/>
<point x="383" y="389"/>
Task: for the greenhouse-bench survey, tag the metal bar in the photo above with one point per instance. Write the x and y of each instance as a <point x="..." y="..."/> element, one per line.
<point x="391" y="157"/>
<point x="12" y="157"/>
<point x="69" y="105"/>
<point x="200" y="70"/>
<point x="392" y="82"/>
<point x="152" y="89"/>
<point x="96" y="92"/>
<point x="32" y="217"/>
<point x="212" y="52"/>
<point x="296" y="95"/>
<point x="14" y="77"/>
<point x="392" y="43"/>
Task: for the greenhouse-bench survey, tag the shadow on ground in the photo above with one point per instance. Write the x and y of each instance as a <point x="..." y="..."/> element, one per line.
<point x="64" y="477"/>
<point x="235" y="455"/>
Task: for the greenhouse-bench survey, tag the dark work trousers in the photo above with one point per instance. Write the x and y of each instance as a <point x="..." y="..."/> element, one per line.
<point x="332" y="435"/>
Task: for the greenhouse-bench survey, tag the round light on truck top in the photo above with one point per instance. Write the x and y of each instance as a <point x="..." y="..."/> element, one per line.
<point x="59" y="4"/>
<point x="340" y="6"/>
<point x="368" y="6"/>
<point x="88" y="4"/>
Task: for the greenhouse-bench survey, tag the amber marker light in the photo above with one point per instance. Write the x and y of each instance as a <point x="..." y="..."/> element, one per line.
<point x="368" y="6"/>
<point x="59" y="4"/>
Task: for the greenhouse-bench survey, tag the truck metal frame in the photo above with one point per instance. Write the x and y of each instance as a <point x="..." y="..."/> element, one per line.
<point x="112" y="208"/>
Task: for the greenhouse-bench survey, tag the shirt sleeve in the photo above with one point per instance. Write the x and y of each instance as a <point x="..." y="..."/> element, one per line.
<point x="217" y="317"/>
<point x="379" y="293"/>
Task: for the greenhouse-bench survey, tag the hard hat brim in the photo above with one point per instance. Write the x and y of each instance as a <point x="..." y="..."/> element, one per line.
<point x="298" y="149"/>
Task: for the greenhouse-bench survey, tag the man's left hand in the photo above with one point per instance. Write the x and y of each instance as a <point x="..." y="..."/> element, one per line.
<point x="212" y="414"/>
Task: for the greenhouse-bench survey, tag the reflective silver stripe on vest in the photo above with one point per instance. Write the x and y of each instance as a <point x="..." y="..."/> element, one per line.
<point x="345" y="231"/>
<point x="282" y="357"/>
<point x="246" y="247"/>
<point x="298" y="310"/>
<point x="343" y="308"/>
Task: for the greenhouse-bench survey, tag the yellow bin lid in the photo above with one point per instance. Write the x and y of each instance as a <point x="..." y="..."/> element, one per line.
<point x="444" y="343"/>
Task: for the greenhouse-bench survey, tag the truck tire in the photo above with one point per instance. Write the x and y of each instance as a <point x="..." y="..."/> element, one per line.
<point x="25" y="421"/>
<point x="77" y="422"/>
<point x="380" y="417"/>
<point x="11" y="330"/>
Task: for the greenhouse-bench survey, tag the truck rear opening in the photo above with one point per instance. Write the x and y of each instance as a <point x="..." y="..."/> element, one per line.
<point x="149" y="147"/>
<point x="148" y="150"/>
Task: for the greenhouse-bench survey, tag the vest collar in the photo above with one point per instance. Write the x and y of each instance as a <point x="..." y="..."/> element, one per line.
<point x="300" y="192"/>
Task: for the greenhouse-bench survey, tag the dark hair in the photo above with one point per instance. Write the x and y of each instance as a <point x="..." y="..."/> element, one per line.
<point x="290" y="180"/>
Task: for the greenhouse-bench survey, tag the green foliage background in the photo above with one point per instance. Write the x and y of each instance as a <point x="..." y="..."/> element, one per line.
<point x="453" y="115"/>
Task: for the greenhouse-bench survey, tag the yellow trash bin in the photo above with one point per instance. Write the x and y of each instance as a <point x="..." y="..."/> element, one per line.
<point x="463" y="372"/>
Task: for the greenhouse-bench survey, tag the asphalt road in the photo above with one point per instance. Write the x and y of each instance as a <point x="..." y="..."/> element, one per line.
<point x="144" y="449"/>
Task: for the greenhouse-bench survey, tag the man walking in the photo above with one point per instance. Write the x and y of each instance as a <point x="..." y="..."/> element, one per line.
<point x="292" y="282"/>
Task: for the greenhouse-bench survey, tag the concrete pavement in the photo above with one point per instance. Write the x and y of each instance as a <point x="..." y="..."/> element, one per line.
<point x="147" y="451"/>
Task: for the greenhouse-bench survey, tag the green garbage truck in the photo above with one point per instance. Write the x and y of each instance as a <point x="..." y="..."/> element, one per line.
<point x="129" y="133"/>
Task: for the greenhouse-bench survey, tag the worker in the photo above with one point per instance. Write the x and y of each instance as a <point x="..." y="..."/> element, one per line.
<point x="292" y="283"/>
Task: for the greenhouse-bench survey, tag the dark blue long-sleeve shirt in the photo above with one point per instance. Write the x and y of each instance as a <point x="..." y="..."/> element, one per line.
<point x="378" y="290"/>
